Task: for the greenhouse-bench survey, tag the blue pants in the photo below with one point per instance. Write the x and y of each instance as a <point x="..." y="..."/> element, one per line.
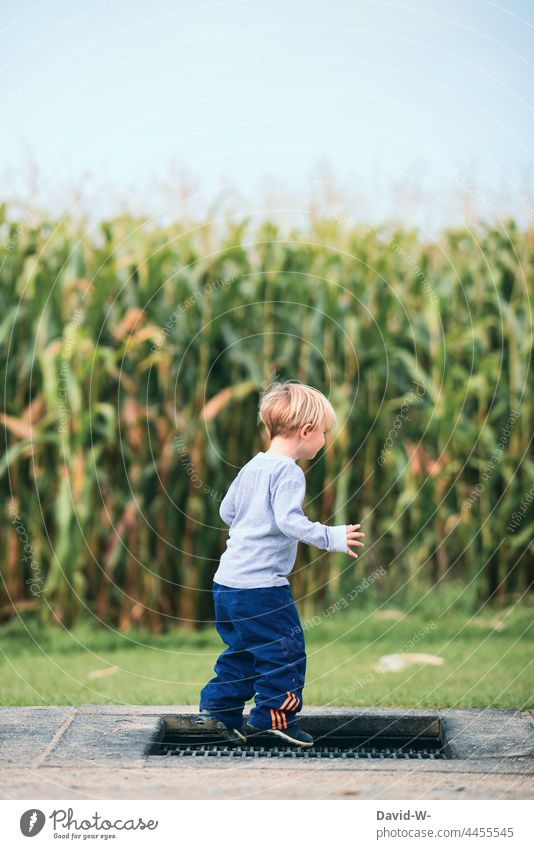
<point x="265" y="658"/>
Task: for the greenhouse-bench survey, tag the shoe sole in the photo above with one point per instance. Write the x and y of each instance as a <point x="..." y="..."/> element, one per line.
<point x="242" y="737"/>
<point x="271" y="732"/>
<point x="237" y="738"/>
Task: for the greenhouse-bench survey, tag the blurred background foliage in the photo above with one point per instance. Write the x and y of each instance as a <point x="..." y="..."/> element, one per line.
<point x="132" y="360"/>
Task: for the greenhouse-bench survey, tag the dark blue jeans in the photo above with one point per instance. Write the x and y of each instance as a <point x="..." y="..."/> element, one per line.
<point x="265" y="658"/>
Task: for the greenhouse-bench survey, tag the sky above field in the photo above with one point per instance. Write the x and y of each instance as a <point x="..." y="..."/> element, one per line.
<point x="419" y="111"/>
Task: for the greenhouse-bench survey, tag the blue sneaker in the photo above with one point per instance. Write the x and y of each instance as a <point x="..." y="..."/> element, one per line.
<point x="293" y="736"/>
<point x="227" y="735"/>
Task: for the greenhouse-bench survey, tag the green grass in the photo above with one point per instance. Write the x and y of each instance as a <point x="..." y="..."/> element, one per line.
<point x="484" y="666"/>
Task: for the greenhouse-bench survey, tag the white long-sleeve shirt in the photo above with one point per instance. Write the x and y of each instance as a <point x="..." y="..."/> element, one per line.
<point x="263" y="508"/>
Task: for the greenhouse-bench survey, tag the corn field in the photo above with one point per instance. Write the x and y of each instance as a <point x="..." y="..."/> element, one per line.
<point x="132" y="360"/>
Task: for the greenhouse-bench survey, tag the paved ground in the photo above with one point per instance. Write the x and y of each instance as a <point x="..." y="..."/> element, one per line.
<point x="98" y="752"/>
<point x="253" y="781"/>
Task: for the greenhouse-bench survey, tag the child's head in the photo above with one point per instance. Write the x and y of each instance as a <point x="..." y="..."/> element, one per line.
<point x="298" y="413"/>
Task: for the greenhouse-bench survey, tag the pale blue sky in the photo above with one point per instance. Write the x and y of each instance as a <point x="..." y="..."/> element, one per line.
<point x="407" y="105"/>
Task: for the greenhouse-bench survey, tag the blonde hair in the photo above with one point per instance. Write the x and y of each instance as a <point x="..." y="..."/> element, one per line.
<point x="288" y="406"/>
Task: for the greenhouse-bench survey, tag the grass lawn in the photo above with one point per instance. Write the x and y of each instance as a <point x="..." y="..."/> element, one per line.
<point x="488" y="661"/>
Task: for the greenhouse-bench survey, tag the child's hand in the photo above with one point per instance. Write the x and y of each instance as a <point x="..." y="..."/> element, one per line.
<point x="352" y="535"/>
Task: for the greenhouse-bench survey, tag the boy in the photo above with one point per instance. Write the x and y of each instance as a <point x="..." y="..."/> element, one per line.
<point x="254" y="609"/>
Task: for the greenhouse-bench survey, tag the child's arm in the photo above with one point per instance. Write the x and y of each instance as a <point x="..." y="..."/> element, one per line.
<point x="287" y="495"/>
<point x="227" y="509"/>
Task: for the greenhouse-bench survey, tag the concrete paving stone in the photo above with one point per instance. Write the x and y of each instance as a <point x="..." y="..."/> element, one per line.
<point x="94" y="738"/>
<point x="68" y="783"/>
<point x="488" y="732"/>
<point x="27" y="732"/>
